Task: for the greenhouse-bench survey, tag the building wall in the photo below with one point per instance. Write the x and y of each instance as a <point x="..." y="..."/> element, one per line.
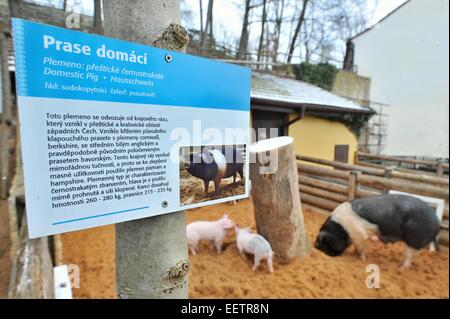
<point x="317" y="137"/>
<point x="407" y="59"/>
<point x="351" y="85"/>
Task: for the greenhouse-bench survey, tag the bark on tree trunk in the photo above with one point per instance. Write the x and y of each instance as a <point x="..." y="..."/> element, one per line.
<point x="263" y="25"/>
<point x="201" y="16"/>
<point x="151" y="253"/>
<point x="98" y="26"/>
<point x="278" y="22"/>
<point x="208" y="24"/>
<point x="276" y="197"/>
<point x="297" y="31"/>
<point x="243" y="42"/>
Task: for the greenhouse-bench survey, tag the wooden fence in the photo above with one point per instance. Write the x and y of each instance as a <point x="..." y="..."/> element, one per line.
<point x="325" y="184"/>
<point x="435" y="167"/>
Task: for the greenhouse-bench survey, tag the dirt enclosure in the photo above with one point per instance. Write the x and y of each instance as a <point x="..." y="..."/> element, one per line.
<point x="230" y="276"/>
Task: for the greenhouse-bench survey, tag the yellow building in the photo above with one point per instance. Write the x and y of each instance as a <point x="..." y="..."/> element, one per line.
<point x="321" y="123"/>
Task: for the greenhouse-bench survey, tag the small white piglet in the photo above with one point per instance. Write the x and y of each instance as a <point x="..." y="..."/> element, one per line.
<point x="214" y="231"/>
<point x="254" y="244"/>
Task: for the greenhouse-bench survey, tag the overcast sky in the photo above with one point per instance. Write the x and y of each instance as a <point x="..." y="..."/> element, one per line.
<point x="228" y="16"/>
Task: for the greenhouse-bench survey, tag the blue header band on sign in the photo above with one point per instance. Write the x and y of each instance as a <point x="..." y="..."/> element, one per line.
<point x="64" y="64"/>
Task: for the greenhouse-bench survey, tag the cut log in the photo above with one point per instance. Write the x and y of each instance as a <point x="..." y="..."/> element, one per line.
<point x="275" y="193"/>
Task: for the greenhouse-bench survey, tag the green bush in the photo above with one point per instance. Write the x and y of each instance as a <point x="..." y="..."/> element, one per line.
<point x="321" y="74"/>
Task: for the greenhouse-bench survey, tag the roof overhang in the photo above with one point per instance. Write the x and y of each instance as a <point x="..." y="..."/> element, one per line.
<point x="290" y="107"/>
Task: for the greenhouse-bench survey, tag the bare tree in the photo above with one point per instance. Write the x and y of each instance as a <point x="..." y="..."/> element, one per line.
<point x="297" y="31"/>
<point x="279" y="11"/>
<point x="208" y="31"/>
<point x="98" y="26"/>
<point x="263" y="25"/>
<point x="243" y="42"/>
<point x="201" y="14"/>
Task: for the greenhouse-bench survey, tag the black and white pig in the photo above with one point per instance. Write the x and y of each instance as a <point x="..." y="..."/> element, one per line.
<point x="389" y="218"/>
<point x="216" y="164"/>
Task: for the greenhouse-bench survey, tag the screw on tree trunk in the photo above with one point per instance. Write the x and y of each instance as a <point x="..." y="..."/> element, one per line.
<point x="151" y="253"/>
<point x="276" y="197"/>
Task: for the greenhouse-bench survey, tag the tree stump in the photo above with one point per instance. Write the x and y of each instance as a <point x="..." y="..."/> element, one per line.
<point x="275" y="192"/>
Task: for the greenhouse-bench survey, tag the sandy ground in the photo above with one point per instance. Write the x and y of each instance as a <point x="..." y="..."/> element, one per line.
<point x="192" y="190"/>
<point x="230" y="276"/>
<point x="5" y="262"/>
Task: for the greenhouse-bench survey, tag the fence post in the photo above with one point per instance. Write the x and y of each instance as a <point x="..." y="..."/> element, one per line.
<point x="6" y="117"/>
<point x="388" y="174"/>
<point x="352" y="184"/>
<point x="440" y="169"/>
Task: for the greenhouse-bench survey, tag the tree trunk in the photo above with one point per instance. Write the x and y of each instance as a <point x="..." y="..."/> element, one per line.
<point x="278" y="22"/>
<point x="98" y="27"/>
<point x="201" y="16"/>
<point x="297" y="31"/>
<point x="151" y="253"/>
<point x="208" y="25"/>
<point x="276" y="197"/>
<point x="243" y="42"/>
<point x="263" y="25"/>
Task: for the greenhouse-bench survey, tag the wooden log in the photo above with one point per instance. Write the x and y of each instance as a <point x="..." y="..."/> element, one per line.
<point x="366" y="193"/>
<point x="315" y="170"/>
<point x="32" y="270"/>
<point x="333" y="185"/>
<point x="349" y="167"/>
<point x="330" y="186"/>
<point x="322" y="193"/>
<point x="397" y="159"/>
<point x="381" y="172"/>
<point x="316" y="209"/>
<point x="398" y="169"/>
<point x="352" y="185"/>
<point x="276" y="197"/>
<point x="320" y="202"/>
<point x="422" y="178"/>
<point x="414" y="188"/>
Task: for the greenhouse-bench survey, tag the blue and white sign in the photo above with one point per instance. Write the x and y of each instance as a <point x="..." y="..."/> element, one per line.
<point x="114" y="131"/>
